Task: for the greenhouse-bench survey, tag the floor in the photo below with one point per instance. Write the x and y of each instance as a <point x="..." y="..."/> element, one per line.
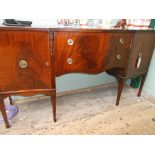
<point x="90" y="112"/>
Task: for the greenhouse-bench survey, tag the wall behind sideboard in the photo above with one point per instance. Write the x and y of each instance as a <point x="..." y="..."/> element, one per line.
<point x="149" y="86"/>
<point x="77" y="81"/>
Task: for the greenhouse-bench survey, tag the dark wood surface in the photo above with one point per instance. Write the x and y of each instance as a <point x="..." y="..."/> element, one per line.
<point x="143" y="44"/>
<point x="91" y="52"/>
<point x="51" y="52"/>
<point x="3" y="111"/>
<point x="32" y="47"/>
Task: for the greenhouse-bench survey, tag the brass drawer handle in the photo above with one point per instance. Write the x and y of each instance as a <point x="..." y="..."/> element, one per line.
<point x="47" y="63"/>
<point x="69" y="61"/>
<point x="70" y="42"/>
<point x="23" y="64"/>
<point x="121" y="40"/>
<point x="139" y="60"/>
<point x="118" y="56"/>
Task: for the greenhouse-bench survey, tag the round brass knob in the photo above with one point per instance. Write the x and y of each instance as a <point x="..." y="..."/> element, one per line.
<point x="69" y="61"/>
<point x="121" y="40"/>
<point x="118" y="56"/>
<point x="47" y="63"/>
<point x="70" y="42"/>
<point x="23" y="64"/>
<point x="139" y="60"/>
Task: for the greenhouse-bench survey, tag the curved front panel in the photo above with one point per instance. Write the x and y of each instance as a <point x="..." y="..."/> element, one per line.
<point x="92" y="53"/>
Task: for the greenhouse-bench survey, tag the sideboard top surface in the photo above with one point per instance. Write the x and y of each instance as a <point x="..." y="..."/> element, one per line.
<point x="72" y="29"/>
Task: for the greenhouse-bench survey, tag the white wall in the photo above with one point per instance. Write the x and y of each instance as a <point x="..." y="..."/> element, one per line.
<point x="149" y="86"/>
<point x="78" y="81"/>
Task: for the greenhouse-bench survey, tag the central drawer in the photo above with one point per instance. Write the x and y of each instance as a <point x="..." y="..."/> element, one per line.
<point x="91" y="52"/>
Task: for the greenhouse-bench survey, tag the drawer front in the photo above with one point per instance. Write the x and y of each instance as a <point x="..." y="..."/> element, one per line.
<point x="85" y="52"/>
<point x="142" y="49"/>
<point x="24" y="60"/>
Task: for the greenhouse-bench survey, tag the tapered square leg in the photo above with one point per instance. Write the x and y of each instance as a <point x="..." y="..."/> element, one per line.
<point x="3" y="111"/>
<point x="120" y="88"/>
<point x="141" y="84"/>
<point x="53" y="100"/>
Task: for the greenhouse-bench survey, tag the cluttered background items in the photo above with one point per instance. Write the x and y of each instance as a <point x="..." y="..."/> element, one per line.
<point x="95" y="23"/>
<point x="107" y="23"/>
<point x="13" y="22"/>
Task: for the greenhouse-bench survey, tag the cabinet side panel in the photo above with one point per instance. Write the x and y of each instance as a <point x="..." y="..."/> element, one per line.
<point x="142" y="49"/>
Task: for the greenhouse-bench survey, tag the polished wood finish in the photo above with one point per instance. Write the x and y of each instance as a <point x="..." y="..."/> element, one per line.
<point x="120" y="88"/>
<point x="143" y="43"/>
<point x="142" y="84"/>
<point x="91" y="52"/>
<point x="31" y="58"/>
<point x="33" y="48"/>
<point x="3" y="111"/>
<point x="53" y="75"/>
<point x="53" y="99"/>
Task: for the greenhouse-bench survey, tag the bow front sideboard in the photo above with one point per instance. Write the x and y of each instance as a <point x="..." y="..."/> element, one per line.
<point x="31" y="58"/>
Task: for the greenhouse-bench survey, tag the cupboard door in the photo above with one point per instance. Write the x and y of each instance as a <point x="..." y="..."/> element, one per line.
<point x="25" y="60"/>
<point x="142" y="49"/>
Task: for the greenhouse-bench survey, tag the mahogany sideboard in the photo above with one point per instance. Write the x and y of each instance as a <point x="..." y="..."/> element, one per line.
<point x="31" y="58"/>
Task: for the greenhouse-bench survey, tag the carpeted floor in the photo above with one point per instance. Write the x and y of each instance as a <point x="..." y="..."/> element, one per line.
<point x="89" y="112"/>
